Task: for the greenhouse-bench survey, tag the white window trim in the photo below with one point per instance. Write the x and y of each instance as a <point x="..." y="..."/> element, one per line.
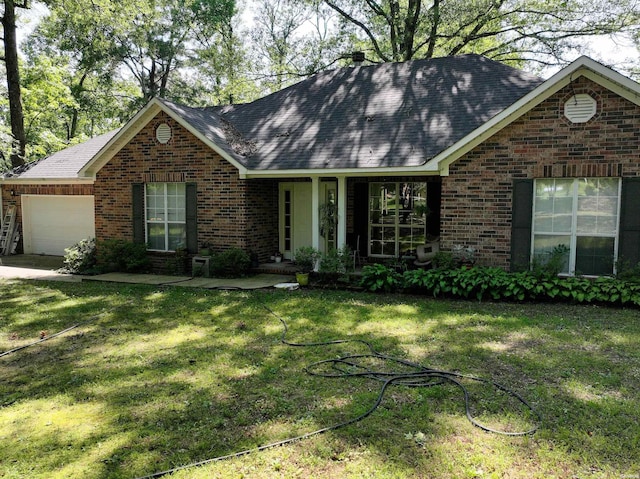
<point x="397" y="226"/>
<point x="165" y="222"/>
<point x="574" y="219"/>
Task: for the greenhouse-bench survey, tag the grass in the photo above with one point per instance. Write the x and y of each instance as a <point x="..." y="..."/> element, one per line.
<point x="159" y="378"/>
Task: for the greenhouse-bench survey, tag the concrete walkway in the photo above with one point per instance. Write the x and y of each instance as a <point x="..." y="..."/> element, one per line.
<point x="45" y="268"/>
<point x="258" y="281"/>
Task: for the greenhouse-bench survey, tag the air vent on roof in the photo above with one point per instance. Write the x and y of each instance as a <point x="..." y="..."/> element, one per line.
<point x="580" y="108"/>
<point x="163" y="133"/>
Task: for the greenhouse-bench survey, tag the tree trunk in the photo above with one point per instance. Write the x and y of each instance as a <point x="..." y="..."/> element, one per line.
<point x="13" y="84"/>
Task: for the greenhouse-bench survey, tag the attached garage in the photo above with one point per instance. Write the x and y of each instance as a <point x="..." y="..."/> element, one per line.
<point x="51" y="223"/>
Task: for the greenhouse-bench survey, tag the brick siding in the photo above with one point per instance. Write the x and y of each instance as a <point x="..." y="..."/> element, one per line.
<point x="231" y="212"/>
<point x="476" y="196"/>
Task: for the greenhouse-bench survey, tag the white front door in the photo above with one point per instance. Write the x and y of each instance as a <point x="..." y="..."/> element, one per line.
<point x="295" y="217"/>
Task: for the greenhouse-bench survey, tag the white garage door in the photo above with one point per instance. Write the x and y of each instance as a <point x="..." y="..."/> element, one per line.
<point x="53" y="223"/>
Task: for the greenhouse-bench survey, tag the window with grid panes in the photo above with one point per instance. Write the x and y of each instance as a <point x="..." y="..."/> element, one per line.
<point x="165" y="213"/>
<point x="579" y="216"/>
<point x="397" y="218"/>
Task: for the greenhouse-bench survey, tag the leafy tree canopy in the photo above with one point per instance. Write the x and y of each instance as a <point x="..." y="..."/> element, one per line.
<point x="540" y="31"/>
<point x="90" y="64"/>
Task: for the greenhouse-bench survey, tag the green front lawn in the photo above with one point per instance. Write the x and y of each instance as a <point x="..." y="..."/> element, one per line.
<point x="160" y="378"/>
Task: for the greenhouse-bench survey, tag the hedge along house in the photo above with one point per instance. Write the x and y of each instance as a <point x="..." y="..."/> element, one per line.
<point x="463" y="148"/>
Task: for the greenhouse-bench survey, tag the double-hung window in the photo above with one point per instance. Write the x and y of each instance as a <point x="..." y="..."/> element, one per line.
<point x="577" y="220"/>
<point x="165" y="208"/>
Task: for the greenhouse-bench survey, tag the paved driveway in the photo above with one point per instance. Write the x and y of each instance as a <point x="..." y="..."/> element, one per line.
<point x="26" y="266"/>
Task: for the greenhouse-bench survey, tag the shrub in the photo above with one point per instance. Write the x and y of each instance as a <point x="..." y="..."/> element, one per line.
<point x="552" y="263"/>
<point x="627" y="271"/>
<point x="81" y="257"/>
<point x="483" y="283"/>
<point x="306" y="257"/>
<point x="231" y="263"/>
<point x="123" y="256"/>
<point x="378" y="277"/>
<point x="444" y="260"/>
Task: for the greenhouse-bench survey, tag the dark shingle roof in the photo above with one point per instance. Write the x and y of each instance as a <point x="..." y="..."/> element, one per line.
<point x="388" y="115"/>
<point x="393" y="114"/>
<point x="64" y="163"/>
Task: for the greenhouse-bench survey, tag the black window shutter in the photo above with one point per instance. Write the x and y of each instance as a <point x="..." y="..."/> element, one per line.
<point x="629" y="246"/>
<point x="192" y="217"/>
<point x="521" y="217"/>
<point x="137" y="194"/>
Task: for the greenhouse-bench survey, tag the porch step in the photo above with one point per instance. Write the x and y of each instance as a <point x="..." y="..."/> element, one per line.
<point x="285" y="267"/>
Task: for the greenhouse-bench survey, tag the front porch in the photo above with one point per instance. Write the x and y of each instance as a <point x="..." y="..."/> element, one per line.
<point x="380" y="218"/>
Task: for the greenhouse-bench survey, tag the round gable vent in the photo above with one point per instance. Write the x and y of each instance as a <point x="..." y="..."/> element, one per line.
<point x="163" y="133"/>
<point x="580" y="108"/>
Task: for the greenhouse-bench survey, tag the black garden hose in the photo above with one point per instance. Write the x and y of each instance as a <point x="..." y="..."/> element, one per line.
<point x="344" y="367"/>
<point x="348" y="366"/>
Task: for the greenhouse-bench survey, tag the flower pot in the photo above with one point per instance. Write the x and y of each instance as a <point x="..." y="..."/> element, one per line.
<point x="278" y="259"/>
<point x="302" y="279"/>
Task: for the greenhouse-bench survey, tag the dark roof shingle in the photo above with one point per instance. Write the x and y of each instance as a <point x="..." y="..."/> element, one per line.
<point x="393" y="114"/>
<point x="387" y="115"/>
<point x="64" y="164"/>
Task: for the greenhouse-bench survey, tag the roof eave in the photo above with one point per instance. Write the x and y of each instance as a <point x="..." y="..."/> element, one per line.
<point x="351" y="172"/>
<point x="46" y="181"/>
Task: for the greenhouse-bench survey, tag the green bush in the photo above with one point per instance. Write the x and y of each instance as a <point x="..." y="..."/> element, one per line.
<point x="305" y="258"/>
<point x="335" y="263"/>
<point x="123" y="256"/>
<point x="231" y="263"/>
<point x="552" y="263"/>
<point x="378" y="277"/>
<point x="483" y="283"/>
<point x="627" y="271"/>
<point x="81" y="257"/>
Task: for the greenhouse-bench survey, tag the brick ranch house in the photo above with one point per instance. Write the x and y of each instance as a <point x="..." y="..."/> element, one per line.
<point x="461" y="148"/>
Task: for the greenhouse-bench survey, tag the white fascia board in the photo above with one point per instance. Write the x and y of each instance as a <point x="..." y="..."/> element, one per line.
<point x="135" y="125"/>
<point x="185" y="124"/>
<point x="348" y="172"/>
<point x="120" y="139"/>
<point x="583" y="66"/>
<point x="47" y="181"/>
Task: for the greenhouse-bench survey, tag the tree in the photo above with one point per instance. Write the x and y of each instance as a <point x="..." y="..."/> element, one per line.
<point x="79" y="37"/>
<point x="160" y="36"/>
<point x="507" y="30"/>
<point x="293" y="39"/>
<point x="10" y="58"/>
<point x="82" y="60"/>
<point x="226" y="67"/>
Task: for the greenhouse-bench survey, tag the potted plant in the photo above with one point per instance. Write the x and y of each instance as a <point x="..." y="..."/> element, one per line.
<point x="205" y="249"/>
<point x="305" y="258"/>
<point x="277" y="257"/>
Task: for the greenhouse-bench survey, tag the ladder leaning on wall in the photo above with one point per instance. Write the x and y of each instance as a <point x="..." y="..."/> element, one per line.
<point x="8" y="231"/>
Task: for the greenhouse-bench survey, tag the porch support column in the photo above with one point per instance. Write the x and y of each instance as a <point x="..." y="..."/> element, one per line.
<point x="341" y="238"/>
<point x="315" y="212"/>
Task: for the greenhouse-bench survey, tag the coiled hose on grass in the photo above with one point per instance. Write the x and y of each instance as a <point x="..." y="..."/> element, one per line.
<point x="352" y="365"/>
